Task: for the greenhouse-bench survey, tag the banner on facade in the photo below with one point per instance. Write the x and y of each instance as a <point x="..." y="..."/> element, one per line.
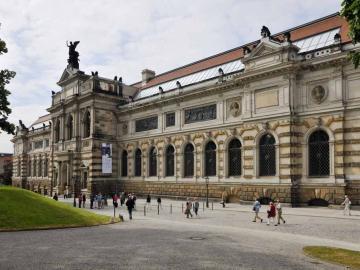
<point x="106" y="157"/>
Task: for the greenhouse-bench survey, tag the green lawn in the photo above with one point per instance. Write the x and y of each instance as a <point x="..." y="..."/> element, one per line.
<point x="345" y="257"/>
<point x="21" y="209"/>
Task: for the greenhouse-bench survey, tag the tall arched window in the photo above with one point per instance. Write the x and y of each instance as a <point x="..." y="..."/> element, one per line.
<point x="319" y="162"/>
<point x="170" y="161"/>
<point x="234" y="155"/>
<point x="40" y="167"/>
<point x="70" y="127"/>
<point x="57" y="131"/>
<point x="124" y="163"/>
<point x="138" y="162"/>
<point x="267" y="160"/>
<point x="86" y="125"/>
<point x="152" y="162"/>
<point x="46" y="167"/>
<point x="210" y="159"/>
<point x="189" y="160"/>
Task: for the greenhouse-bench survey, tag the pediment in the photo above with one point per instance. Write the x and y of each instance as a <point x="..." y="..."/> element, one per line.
<point x="266" y="46"/>
<point x="65" y="75"/>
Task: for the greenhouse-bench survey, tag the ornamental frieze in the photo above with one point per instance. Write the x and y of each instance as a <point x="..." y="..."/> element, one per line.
<point x="199" y="114"/>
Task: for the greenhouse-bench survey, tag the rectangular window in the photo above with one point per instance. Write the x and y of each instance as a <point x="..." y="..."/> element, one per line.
<point x="199" y="114"/>
<point x="47" y="143"/>
<point x="170" y="119"/>
<point x="146" y="124"/>
<point x="38" y="144"/>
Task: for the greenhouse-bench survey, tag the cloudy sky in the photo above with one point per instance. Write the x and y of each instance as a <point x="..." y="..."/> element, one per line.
<point x="121" y="37"/>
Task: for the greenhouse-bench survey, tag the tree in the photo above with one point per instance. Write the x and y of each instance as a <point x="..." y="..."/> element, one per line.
<point x="5" y="77"/>
<point x="351" y="12"/>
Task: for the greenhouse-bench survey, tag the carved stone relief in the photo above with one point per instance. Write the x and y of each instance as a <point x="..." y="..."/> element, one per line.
<point x="318" y="94"/>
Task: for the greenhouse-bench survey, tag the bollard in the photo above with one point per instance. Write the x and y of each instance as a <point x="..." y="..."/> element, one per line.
<point x="212" y="206"/>
<point x="158" y="209"/>
<point x="170" y="208"/>
<point x="182" y="208"/>
<point x="144" y="210"/>
<point x="203" y="206"/>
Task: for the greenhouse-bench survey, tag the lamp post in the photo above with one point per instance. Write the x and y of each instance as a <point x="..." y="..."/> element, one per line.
<point x="207" y="191"/>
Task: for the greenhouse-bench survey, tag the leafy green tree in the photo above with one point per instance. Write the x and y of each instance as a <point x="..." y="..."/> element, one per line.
<point x="5" y="77"/>
<point x="351" y="12"/>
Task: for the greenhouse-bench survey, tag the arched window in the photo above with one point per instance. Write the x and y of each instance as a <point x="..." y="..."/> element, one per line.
<point x="138" y="162"/>
<point x="170" y="162"/>
<point x="124" y="163"/>
<point x="319" y="162"/>
<point x="234" y="157"/>
<point x="189" y="160"/>
<point x="57" y="131"/>
<point x="46" y="167"/>
<point x="267" y="161"/>
<point x="152" y="162"/>
<point x="210" y="159"/>
<point x="70" y="127"/>
<point x="40" y="167"/>
<point x="86" y="125"/>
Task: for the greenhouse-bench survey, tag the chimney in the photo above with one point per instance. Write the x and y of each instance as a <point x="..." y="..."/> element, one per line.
<point x="147" y="75"/>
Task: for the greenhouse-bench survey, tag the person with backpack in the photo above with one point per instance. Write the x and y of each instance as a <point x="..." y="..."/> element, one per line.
<point x="188" y="208"/>
<point x="271" y="213"/>
<point x="256" y="209"/>
<point x="279" y="213"/>
<point x="130" y="206"/>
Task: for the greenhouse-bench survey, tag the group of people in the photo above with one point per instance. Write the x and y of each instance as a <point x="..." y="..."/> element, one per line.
<point x="98" y="201"/>
<point x="192" y="205"/>
<point x="272" y="210"/>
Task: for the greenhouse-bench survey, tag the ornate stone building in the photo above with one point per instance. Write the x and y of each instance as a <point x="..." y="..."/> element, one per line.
<point x="275" y="118"/>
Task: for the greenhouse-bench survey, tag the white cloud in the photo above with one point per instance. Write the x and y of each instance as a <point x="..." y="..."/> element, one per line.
<point x="124" y="37"/>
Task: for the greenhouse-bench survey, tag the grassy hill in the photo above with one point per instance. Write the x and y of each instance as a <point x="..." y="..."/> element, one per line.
<point x="21" y="209"/>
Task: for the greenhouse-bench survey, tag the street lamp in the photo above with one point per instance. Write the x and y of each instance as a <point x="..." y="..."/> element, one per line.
<point x="207" y="191"/>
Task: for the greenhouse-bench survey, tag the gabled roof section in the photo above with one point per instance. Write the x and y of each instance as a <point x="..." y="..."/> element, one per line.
<point x="327" y="24"/>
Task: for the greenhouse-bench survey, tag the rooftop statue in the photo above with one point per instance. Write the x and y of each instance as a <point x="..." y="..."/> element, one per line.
<point x="73" y="55"/>
<point x="265" y="32"/>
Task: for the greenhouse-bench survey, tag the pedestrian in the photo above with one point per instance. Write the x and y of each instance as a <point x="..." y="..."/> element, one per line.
<point x="159" y="202"/>
<point x="188" y="208"/>
<point x="279" y="212"/>
<point x="133" y="196"/>
<point x="80" y="200"/>
<point x="65" y="194"/>
<point x="55" y="197"/>
<point x="92" y="200"/>
<point x="99" y="200"/>
<point x="122" y="198"/>
<point x="130" y="206"/>
<point x="148" y="202"/>
<point x="83" y="199"/>
<point x="347" y="205"/>
<point x="196" y="206"/>
<point x="271" y="213"/>
<point x="115" y="200"/>
<point x="256" y="209"/>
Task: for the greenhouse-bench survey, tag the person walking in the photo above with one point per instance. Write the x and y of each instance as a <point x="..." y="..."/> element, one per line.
<point x="196" y="206"/>
<point x="83" y="199"/>
<point x="148" y="202"/>
<point x="99" y="200"/>
<point x="279" y="212"/>
<point x="271" y="213"/>
<point x="55" y="197"/>
<point x="130" y="206"/>
<point x="115" y="200"/>
<point x="347" y="204"/>
<point x="188" y="208"/>
<point x="256" y="209"/>
<point x="122" y="198"/>
<point x="80" y="200"/>
<point x="159" y="202"/>
<point x="92" y="200"/>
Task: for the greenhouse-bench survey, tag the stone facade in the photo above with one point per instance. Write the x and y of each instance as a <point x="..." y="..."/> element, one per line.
<point x="275" y="108"/>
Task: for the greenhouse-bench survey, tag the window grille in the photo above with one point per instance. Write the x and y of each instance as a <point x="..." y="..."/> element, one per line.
<point x="170" y="161"/>
<point x="210" y="159"/>
<point x="124" y="162"/>
<point x="189" y="160"/>
<point x="234" y="158"/>
<point x="152" y="162"/>
<point x="267" y="155"/>
<point x="138" y="162"/>
<point x="319" y="162"/>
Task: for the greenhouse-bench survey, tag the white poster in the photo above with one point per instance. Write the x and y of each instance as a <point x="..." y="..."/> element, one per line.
<point x="106" y="157"/>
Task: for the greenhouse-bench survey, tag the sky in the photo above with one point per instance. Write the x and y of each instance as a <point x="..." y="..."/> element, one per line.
<point x="121" y="37"/>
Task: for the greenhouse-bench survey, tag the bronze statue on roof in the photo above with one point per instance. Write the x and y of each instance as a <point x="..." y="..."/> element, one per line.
<point x="73" y="55"/>
<point x="265" y="32"/>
